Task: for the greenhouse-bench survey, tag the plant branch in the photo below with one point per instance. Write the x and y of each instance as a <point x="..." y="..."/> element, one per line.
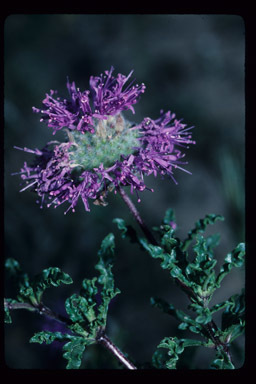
<point x="107" y="343"/>
<point x="210" y="326"/>
<point x="102" y="338"/>
<point x="41" y="309"/>
<point x="137" y="216"/>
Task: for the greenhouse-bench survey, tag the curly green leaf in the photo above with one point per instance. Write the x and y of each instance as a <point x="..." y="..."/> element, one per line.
<point x="169" y="217"/>
<point x="50" y="277"/>
<point x="127" y="231"/>
<point x="48" y="337"/>
<point x="222" y="361"/>
<point x="175" y="348"/>
<point x="200" y="227"/>
<point x="234" y="259"/>
<point x="79" y="310"/>
<point x="73" y="352"/>
<point x="7" y="314"/>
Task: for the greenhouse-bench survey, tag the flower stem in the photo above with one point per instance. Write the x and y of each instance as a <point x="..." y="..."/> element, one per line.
<point x="137" y="216"/>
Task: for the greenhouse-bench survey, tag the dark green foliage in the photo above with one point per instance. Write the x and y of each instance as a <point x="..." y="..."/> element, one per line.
<point x="200" y="227"/>
<point x="198" y="278"/>
<point x="126" y="230"/>
<point x="87" y="311"/>
<point x="169" y="217"/>
<point x="48" y="337"/>
<point x="31" y="291"/>
<point x="186" y="321"/>
<point x="106" y="279"/>
<point x="7" y="315"/>
<point x="73" y="352"/>
<point x="25" y="293"/>
<point x="221" y="361"/>
<point x="233" y="318"/>
<point x="192" y="265"/>
<point x="175" y="347"/>
<point x="51" y="277"/>
<point x="233" y="259"/>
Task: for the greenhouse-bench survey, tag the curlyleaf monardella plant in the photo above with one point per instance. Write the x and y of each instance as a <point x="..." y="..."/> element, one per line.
<point x="103" y="151"/>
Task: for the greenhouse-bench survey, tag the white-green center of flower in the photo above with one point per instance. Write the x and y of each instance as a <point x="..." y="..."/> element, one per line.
<point x="113" y="137"/>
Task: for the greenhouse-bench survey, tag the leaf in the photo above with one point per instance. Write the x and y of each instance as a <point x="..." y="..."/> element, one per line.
<point x="73" y="352"/>
<point x="7" y="315"/>
<point x="233" y="331"/>
<point x="233" y="259"/>
<point x="26" y="293"/>
<point x="50" y="277"/>
<point x="172" y="245"/>
<point x="106" y="251"/>
<point x="204" y="317"/>
<point x="126" y="230"/>
<point x="201" y="269"/>
<point x="175" y="348"/>
<point x="48" y="337"/>
<point x="104" y="266"/>
<point x="89" y="290"/>
<point x="73" y="349"/>
<point x="169" y="261"/>
<point x="88" y="311"/>
<point x="157" y="252"/>
<point x="186" y="321"/>
<point x="168" y="241"/>
<point x="79" y="310"/>
<point x="234" y="312"/>
<point x="204" y="259"/>
<point x="106" y="259"/>
<point x="219" y="306"/>
<point x="13" y="266"/>
<point x="106" y="279"/>
<point x="222" y="361"/>
<point x="169" y="218"/>
<point x="169" y="309"/>
<point x="212" y="242"/>
<point x="200" y="227"/>
<point x="159" y="359"/>
<point x="79" y="329"/>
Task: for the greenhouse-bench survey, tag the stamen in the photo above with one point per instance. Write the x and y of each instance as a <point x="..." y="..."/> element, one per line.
<point x="28" y="186"/>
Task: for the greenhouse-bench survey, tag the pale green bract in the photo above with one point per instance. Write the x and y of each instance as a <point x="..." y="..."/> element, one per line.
<point x="112" y="137"/>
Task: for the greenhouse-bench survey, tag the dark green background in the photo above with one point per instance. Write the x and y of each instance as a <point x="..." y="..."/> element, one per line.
<point x="192" y="65"/>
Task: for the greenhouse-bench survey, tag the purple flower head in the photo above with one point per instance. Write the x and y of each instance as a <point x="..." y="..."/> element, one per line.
<point x="103" y="150"/>
<point x="109" y="98"/>
<point x="106" y="98"/>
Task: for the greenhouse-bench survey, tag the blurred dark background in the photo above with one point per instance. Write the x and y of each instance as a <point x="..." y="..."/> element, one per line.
<point x="192" y="65"/>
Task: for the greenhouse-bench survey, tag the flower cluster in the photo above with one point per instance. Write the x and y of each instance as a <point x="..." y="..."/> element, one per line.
<point x="103" y="151"/>
<point x="108" y="98"/>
